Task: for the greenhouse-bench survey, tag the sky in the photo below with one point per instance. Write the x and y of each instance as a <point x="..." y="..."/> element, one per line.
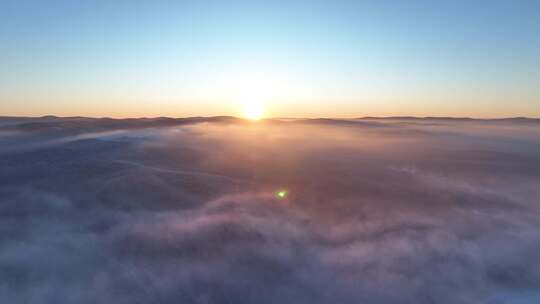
<point x="299" y="58"/>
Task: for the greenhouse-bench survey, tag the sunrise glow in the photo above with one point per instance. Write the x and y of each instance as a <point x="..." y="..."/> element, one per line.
<point x="253" y="110"/>
<point x="291" y="152"/>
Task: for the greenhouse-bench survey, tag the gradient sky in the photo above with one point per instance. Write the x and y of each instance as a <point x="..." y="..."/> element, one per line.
<point x="303" y="58"/>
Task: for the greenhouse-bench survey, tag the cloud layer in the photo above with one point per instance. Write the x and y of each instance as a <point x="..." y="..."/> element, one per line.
<point x="379" y="211"/>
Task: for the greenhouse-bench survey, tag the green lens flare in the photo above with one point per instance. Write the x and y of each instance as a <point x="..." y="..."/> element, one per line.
<point x="281" y="194"/>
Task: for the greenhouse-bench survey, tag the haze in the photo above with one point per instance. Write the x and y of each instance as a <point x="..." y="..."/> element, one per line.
<point x="187" y="211"/>
<point x="269" y="152"/>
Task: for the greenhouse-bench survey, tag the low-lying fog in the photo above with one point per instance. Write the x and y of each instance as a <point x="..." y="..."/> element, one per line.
<point x="184" y="211"/>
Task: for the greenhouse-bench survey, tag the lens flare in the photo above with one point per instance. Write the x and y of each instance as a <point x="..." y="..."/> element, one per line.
<point x="281" y="194"/>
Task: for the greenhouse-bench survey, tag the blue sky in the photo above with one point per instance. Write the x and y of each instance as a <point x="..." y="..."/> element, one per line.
<point x="303" y="58"/>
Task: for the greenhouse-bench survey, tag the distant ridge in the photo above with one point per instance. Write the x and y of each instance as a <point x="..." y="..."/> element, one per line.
<point x="228" y="117"/>
<point x="446" y="118"/>
<point x="77" y="124"/>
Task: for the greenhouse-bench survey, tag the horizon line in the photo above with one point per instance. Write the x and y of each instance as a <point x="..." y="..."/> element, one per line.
<point x="271" y="118"/>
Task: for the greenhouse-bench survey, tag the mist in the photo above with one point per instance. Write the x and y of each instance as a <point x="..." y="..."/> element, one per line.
<point x="184" y="211"/>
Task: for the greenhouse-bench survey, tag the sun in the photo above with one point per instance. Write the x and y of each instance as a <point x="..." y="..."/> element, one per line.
<point x="253" y="110"/>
